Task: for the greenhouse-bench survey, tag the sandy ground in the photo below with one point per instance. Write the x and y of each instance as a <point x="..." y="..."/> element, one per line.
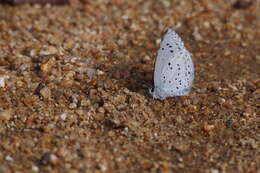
<point x="74" y="85"/>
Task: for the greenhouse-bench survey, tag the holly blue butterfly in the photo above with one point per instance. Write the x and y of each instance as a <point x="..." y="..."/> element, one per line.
<point x="174" y="69"/>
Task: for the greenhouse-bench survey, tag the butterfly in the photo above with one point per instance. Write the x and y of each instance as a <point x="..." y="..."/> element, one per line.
<point x="174" y="69"/>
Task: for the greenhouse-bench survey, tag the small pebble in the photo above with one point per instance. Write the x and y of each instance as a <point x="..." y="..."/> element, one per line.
<point x="5" y="114"/>
<point x="208" y="128"/>
<point x="53" y="158"/>
<point x="214" y="171"/>
<point x="196" y="34"/>
<point x="45" y="92"/>
<point x="181" y="146"/>
<point x="48" y="158"/>
<point x="72" y="105"/>
<point x="9" y="158"/>
<point x="51" y="50"/>
<point x="99" y="72"/>
<point x="101" y="110"/>
<point x="147" y="58"/>
<point x="63" y="116"/>
<point x="257" y="58"/>
<point x="35" y="168"/>
<point x="47" y="66"/>
<point x="229" y="123"/>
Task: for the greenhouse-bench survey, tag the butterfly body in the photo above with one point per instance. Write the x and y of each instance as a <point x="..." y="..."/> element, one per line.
<point x="174" y="69"/>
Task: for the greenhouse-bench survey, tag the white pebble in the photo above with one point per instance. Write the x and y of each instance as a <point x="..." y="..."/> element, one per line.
<point x="99" y="72"/>
<point x="35" y="168"/>
<point x="63" y="116"/>
<point x="147" y="58"/>
<point x="214" y="171"/>
<point x="9" y="158"/>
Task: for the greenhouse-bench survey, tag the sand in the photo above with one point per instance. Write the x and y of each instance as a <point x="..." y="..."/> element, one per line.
<point x="74" y="83"/>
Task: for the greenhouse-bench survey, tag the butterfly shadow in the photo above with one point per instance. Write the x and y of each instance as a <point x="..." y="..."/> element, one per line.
<point x="136" y="78"/>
